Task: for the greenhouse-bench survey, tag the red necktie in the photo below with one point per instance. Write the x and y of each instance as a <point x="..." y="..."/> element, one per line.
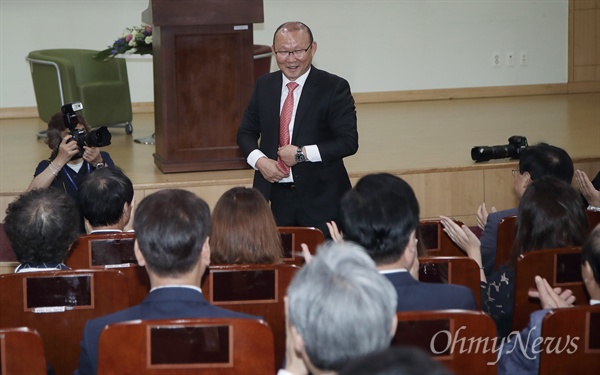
<point x="284" y="123"/>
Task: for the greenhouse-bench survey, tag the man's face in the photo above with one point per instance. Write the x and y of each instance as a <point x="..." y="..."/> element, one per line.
<point x="293" y="65"/>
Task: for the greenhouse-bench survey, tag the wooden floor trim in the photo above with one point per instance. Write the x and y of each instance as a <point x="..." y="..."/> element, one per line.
<point x="395" y="96"/>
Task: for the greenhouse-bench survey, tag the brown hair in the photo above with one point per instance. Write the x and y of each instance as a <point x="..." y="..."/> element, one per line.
<point x="244" y="230"/>
<point x="56" y="126"/>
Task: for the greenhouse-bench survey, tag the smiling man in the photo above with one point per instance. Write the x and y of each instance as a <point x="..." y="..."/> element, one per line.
<point x="305" y="119"/>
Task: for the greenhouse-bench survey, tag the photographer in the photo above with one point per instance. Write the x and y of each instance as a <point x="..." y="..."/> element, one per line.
<point x="61" y="170"/>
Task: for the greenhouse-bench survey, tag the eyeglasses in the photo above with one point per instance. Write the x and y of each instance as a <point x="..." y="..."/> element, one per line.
<point x="299" y="53"/>
<point x="515" y="170"/>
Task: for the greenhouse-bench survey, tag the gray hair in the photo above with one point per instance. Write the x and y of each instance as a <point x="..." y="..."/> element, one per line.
<point x="341" y="306"/>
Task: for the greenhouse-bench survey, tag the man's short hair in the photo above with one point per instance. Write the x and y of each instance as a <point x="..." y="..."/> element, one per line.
<point x="590" y="252"/>
<point x="294" y="26"/>
<point x="379" y="214"/>
<point x="341" y="306"/>
<point x="170" y="227"/>
<point x="543" y="159"/>
<point x="41" y="225"/>
<point x="103" y="194"/>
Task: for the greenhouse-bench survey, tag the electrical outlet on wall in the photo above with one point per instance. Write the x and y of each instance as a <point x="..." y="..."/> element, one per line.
<point x="510" y="58"/>
<point x="523" y="58"/>
<point x="496" y="61"/>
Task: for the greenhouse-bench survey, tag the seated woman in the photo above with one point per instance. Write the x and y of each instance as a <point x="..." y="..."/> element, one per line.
<point x="550" y="216"/>
<point x="244" y="230"/>
<point x="67" y="165"/>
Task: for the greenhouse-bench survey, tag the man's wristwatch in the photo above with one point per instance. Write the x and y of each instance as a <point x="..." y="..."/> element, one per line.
<point x="100" y="165"/>
<point x="300" y="158"/>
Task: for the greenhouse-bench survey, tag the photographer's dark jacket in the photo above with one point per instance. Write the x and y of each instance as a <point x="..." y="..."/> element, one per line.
<point x="69" y="180"/>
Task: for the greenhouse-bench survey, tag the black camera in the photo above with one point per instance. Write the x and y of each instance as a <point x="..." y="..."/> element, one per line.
<point x="516" y="145"/>
<point x="96" y="138"/>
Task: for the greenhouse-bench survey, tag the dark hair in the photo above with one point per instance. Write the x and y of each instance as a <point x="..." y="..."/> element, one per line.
<point x="171" y="227"/>
<point x="41" y="225"/>
<point x="590" y="253"/>
<point x="543" y="159"/>
<point x="380" y="213"/>
<point x="102" y="195"/>
<point x="294" y="26"/>
<point x="549" y="216"/>
<point x="395" y="360"/>
<point x="56" y="126"/>
<point x="244" y="230"/>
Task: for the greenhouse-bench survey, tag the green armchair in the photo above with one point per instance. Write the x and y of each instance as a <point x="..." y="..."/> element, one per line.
<point x="67" y="75"/>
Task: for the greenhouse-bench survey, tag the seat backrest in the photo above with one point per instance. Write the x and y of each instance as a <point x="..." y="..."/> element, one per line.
<point x="593" y="218"/>
<point x="253" y="289"/>
<point x="58" y="304"/>
<point x="6" y="252"/>
<point x="452" y="270"/>
<point x="218" y="346"/>
<point x="571" y="341"/>
<point x="435" y="242"/>
<point x="292" y="237"/>
<point x="464" y="341"/>
<point x="506" y="238"/>
<point x="21" y="352"/>
<point x="561" y="267"/>
<point x="111" y="250"/>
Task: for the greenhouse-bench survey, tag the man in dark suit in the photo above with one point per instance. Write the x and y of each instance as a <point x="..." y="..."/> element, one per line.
<point x="172" y="228"/>
<point x="381" y="213"/>
<point x="300" y="171"/>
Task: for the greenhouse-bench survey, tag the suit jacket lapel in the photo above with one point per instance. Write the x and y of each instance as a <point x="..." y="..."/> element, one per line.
<point x="308" y="94"/>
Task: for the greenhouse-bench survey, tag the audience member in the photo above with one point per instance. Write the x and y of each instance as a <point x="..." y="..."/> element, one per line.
<point x="534" y="163"/>
<point x="244" y="230"/>
<point x="299" y="159"/>
<point x="41" y="226"/>
<point x="395" y="360"/>
<point x="339" y="308"/>
<point x="381" y="214"/>
<point x="524" y="360"/>
<point x="550" y="216"/>
<point x="106" y="200"/>
<point x="172" y="228"/>
<point x="66" y="167"/>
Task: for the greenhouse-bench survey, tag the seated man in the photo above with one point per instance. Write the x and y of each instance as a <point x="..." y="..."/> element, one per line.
<point x="534" y="163"/>
<point x="106" y="200"/>
<point x="395" y="360"/>
<point x="381" y="213"/>
<point x="339" y="308"/>
<point x="41" y="225"/>
<point x="172" y="228"/>
<point x="516" y="359"/>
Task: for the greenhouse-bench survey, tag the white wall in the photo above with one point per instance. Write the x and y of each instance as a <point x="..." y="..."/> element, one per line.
<point x="377" y="45"/>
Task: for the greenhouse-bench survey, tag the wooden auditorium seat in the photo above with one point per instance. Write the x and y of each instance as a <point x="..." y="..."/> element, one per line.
<point x="578" y="351"/>
<point x="292" y="237"/>
<point x="593" y="218"/>
<point x="452" y="270"/>
<point x="21" y="352"/>
<point x="253" y="289"/>
<point x="462" y="340"/>
<point x="506" y="238"/>
<point x="58" y="304"/>
<point x="218" y="346"/>
<point x="433" y="241"/>
<point x="112" y="250"/>
<point x="561" y="267"/>
<point x="8" y="260"/>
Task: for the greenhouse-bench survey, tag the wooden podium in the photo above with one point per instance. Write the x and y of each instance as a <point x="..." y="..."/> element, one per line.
<point x="203" y="80"/>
